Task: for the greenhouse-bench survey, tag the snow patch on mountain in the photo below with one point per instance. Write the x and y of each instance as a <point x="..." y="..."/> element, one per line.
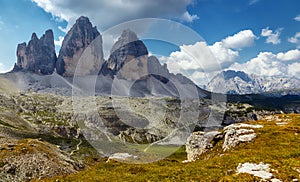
<point x="238" y="82"/>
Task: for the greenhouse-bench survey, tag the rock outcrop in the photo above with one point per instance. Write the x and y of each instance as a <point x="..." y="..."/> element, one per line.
<point x="38" y="56"/>
<point x="260" y="170"/>
<point x="27" y="159"/>
<point x="200" y="142"/>
<point x="79" y="37"/>
<point x="238" y="133"/>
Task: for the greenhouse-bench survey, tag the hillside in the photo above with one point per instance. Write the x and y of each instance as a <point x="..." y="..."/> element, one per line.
<point x="276" y="144"/>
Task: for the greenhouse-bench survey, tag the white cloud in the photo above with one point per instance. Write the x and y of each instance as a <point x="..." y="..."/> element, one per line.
<point x="244" y="38"/>
<point x="202" y="78"/>
<point x="191" y="57"/>
<point x="292" y="55"/>
<point x="293" y="70"/>
<point x="295" y="39"/>
<point x="269" y="64"/>
<point x="297" y="18"/>
<point x="59" y="41"/>
<point x="188" y="17"/>
<point x="107" y="13"/>
<point x="272" y="37"/>
<point x="65" y="30"/>
<point x="203" y="61"/>
<point x="223" y="55"/>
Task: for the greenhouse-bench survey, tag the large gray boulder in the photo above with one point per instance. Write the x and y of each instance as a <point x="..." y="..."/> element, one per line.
<point x="238" y="133"/>
<point x="200" y="142"/>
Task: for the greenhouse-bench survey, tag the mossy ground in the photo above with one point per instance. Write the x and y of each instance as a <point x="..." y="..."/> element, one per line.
<point x="276" y="145"/>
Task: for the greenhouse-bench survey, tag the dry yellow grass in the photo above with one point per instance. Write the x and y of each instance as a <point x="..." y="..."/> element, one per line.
<point x="276" y="145"/>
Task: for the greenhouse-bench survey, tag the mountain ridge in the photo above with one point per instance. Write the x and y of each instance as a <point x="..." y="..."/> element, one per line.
<point x="238" y="82"/>
<point x="129" y="65"/>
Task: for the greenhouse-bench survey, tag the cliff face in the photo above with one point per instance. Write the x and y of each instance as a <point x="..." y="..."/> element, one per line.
<point x="127" y="48"/>
<point x="38" y="56"/>
<point x="80" y="36"/>
<point x="81" y="54"/>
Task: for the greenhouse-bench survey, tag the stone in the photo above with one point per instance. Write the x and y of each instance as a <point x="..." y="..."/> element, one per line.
<point x="260" y="170"/>
<point x="38" y="56"/>
<point x="238" y="133"/>
<point x="80" y="37"/>
<point x="123" y="157"/>
<point x="200" y="142"/>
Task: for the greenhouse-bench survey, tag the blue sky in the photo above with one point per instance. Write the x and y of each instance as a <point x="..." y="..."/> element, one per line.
<point x="244" y="34"/>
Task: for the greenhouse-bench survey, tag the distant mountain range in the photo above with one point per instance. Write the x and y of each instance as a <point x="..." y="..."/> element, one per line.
<point x="238" y="82"/>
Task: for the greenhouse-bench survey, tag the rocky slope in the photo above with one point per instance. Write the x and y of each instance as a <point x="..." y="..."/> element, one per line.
<point x="238" y="82"/>
<point x="272" y="155"/>
<point x="24" y="160"/>
<point x="38" y="56"/>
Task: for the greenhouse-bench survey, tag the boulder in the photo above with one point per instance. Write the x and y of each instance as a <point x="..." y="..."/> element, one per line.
<point x="260" y="170"/>
<point x="201" y="142"/>
<point x="237" y="133"/>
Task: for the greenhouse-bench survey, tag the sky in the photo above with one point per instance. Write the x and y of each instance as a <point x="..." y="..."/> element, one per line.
<point x="255" y="36"/>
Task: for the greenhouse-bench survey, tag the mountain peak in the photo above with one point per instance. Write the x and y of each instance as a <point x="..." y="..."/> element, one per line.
<point x="128" y="35"/>
<point x="229" y="74"/>
<point x="34" y="36"/>
<point x="38" y="56"/>
<point x="127" y="48"/>
<point x="239" y="82"/>
<point x="79" y="37"/>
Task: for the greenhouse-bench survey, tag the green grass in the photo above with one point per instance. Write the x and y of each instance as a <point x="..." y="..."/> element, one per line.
<point x="278" y="146"/>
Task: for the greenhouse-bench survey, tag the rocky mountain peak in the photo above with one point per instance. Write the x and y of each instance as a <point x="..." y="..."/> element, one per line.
<point x="38" y="56"/>
<point x="79" y="37"/>
<point x="34" y="36"/>
<point x="127" y="48"/>
<point x="126" y="37"/>
<point x="239" y="82"/>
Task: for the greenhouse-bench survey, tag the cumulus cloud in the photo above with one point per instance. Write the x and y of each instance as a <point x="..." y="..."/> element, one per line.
<point x="297" y="18"/>
<point x="242" y="39"/>
<point x="191" y="57"/>
<point x="269" y="64"/>
<point x="59" y="41"/>
<point x="292" y="55"/>
<point x="293" y="69"/>
<point x="272" y="37"/>
<point x="188" y="17"/>
<point x="108" y="13"/>
<point x="295" y="39"/>
<point x="223" y="55"/>
<point x="204" y="61"/>
<point x="201" y="56"/>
